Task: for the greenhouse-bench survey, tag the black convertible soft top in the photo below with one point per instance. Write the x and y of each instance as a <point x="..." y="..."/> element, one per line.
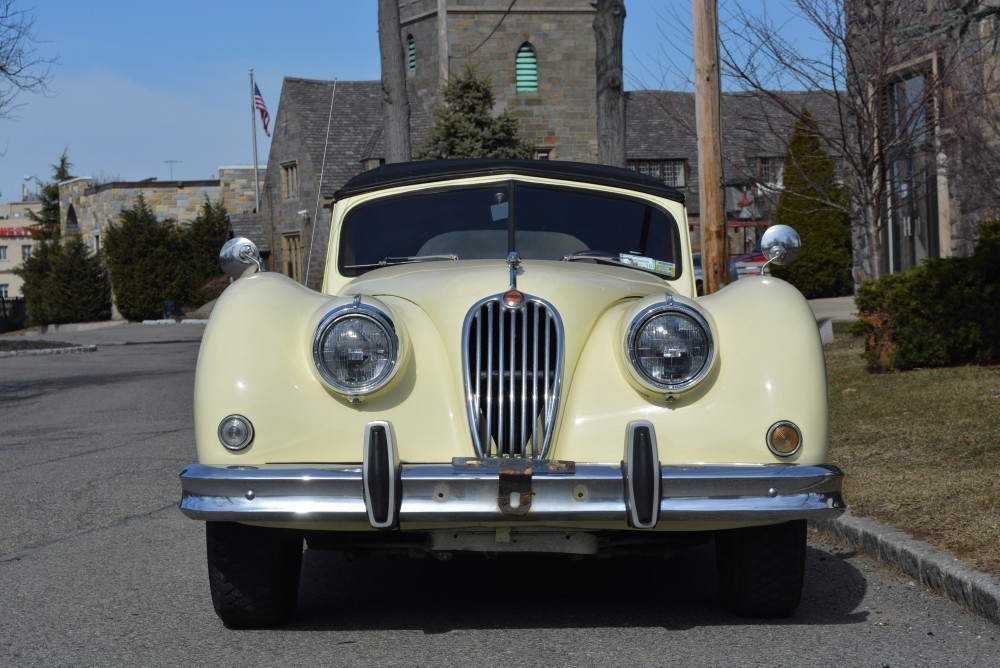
<point x="430" y="171"/>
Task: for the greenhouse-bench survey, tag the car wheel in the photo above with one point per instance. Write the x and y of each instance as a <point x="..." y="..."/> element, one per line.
<point x="761" y="568"/>
<point x="253" y="573"/>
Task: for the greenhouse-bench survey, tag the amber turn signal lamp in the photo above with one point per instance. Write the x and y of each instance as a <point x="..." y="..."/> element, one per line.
<point x="784" y="439"/>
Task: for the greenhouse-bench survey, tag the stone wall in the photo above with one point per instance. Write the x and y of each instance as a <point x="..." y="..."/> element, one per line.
<point x="561" y="116"/>
<point x="86" y="208"/>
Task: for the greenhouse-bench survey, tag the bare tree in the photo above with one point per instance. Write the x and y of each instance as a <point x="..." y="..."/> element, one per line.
<point x="395" y="105"/>
<point x="900" y="102"/>
<point x="609" y="27"/>
<point x="21" y="68"/>
<point x="905" y="106"/>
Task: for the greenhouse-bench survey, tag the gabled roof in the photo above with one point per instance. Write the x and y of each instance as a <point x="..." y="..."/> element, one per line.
<point x="660" y="125"/>
<point x="353" y="112"/>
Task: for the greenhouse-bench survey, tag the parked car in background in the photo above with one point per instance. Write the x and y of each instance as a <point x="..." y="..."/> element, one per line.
<point x="507" y="357"/>
<point x="751" y="264"/>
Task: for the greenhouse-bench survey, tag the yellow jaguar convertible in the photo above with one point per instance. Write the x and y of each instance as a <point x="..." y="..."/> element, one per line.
<point x="508" y="357"/>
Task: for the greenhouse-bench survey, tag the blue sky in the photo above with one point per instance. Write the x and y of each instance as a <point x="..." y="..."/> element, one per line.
<point x="141" y="83"/>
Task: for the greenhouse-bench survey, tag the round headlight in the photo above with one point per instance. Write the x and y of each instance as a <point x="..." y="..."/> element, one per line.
<point x="355" y="349"/>
<point x="670" y="347"/>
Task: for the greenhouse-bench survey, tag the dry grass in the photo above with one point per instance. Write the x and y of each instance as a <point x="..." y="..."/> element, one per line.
<point x="920" y="450"/>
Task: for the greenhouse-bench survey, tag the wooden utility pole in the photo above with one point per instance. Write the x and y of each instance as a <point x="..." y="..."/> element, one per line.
<point x="395" y="105"/>
<point x="708" y="115"/>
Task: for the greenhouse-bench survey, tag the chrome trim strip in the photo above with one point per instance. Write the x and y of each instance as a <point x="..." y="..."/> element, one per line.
<point x="447" y="495"/>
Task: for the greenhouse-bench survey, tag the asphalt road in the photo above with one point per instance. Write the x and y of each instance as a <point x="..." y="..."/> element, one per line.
<point x="98" y="567"/>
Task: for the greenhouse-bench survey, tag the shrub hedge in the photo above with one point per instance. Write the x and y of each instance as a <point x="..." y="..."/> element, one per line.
<point x="941" y="313"/>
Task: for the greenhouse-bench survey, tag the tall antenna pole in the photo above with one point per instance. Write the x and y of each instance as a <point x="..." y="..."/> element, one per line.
<point x="253" y="130"/>
<point x="172" y="163"/>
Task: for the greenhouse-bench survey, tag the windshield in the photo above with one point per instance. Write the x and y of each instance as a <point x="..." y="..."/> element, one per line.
<point x="483" y="222"/>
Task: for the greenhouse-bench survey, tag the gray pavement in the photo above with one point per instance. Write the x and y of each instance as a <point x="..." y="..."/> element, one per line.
<point x="934" y="569"/>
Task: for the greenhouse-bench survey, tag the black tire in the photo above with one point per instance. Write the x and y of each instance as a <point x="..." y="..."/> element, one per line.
<point x="253" y="573"/>
<point x="761" y="569"/>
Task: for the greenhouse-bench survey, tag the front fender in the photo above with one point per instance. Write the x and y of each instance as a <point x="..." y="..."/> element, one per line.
<point x="770" y="367"/>
<point x="256" y="361"/>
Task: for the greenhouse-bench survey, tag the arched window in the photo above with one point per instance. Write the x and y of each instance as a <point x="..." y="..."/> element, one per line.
<point x="411" y="54"/>
<point x="526" y="69"/>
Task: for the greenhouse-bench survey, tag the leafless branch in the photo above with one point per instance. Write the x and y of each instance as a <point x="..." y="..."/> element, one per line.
<point x="22" y="69"/>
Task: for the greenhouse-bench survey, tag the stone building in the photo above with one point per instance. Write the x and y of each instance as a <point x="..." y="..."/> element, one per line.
<point x="540" y="57"/>
<point x="939" y="138"/>
<point x="86" y="207"/>
<point x="538" y="54"/>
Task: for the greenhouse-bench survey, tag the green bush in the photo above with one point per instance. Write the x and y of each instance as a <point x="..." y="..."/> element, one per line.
<point x="152" y="261"/>
<point x="943" y="312"/>
<point x="64" y="282"/>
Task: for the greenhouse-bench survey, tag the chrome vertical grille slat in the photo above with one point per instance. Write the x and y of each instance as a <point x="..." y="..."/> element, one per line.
<point x="513" y="371"/>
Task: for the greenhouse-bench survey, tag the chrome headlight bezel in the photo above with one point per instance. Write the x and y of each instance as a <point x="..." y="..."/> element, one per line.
<point x="370" y="314"/>
<point x="635" y="329"/>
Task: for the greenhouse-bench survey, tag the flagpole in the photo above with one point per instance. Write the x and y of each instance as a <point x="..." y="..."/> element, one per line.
<point x="253" y="131"/>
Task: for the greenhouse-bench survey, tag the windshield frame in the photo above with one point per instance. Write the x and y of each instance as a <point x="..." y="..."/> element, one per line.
<point x="671" y="244"/>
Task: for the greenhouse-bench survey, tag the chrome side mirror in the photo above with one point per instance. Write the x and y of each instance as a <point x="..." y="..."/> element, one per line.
<point x="238" y="256"/>
<point x="780" y="245"/>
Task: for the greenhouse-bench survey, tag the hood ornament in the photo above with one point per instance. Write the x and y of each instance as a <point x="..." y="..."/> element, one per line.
<point x="513" y="298"/>
<point x="513" y="263"/>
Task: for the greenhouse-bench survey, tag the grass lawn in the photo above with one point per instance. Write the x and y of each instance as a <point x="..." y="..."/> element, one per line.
<point x="920" y="450"/>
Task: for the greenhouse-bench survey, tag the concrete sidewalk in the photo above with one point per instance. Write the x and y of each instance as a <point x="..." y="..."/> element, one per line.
<point x="837" y="309"/>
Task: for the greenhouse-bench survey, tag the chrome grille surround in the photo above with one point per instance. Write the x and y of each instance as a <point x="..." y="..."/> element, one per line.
<point x="512" y="358"/>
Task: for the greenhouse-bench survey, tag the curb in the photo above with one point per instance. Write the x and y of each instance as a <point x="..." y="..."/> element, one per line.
<point x="938" y="570"/>
<point x="49" y="351"/>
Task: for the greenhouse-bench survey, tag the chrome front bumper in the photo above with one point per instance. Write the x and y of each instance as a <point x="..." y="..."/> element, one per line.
<point x="468" y="493"/>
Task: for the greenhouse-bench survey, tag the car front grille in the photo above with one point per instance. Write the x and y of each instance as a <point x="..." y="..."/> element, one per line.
<point x="513" y="368"/>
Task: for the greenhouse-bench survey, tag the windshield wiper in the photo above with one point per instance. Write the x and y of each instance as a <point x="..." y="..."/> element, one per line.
<point x="412" y="259"/>
<point x="616" y="259"/>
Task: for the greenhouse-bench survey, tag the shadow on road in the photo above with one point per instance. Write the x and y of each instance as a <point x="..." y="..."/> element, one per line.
<point x="531" y="593"/>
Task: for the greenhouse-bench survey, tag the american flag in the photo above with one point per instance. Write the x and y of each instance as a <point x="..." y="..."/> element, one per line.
<point x="258" y="101"/>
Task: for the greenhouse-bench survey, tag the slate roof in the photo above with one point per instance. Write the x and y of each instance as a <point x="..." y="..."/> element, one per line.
<point x="248" y="225"/>
<point x="660" y="125"/>
<point x="355" y="124"/>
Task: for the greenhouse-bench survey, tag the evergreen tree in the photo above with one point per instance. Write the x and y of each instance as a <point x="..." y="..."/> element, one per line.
<point x="64" y="282"/>
<point x="203" y="239"/>
<point x="145" y="261"/>
<point x="46" y="225"/>
<point x="464" y="127"/>
<point x="76" y="288"/>
<point x="810" y="184"/>
<point x="35" y="272"/>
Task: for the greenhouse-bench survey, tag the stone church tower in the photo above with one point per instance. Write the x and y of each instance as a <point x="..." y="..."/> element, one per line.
<point x="538" y="54"/>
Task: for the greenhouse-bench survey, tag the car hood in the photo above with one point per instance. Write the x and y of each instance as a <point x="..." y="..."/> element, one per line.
<point x="567" y="286"/>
